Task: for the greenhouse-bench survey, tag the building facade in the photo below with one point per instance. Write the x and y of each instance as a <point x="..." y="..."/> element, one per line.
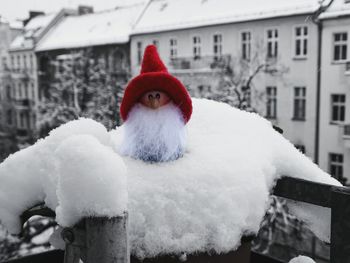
<point x="279" y="47"/>
<point x="98" y="40"/>
<point x="23" y="80"/>
<point x="335" y="91"/>
<point x="7" y="33"/>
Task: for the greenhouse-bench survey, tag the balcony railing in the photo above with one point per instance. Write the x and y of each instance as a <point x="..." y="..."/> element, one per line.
<point x="323" y="195"/>
<point x="199" y="63"/>
<point x="24" y="102"/>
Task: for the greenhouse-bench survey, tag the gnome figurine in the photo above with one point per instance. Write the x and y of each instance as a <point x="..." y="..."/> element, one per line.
<point x="155" y="108"/>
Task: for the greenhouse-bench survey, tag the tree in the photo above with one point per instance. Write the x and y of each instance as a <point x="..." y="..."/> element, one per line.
<point x="238" y="76"/>
<point x="82" y="86"/>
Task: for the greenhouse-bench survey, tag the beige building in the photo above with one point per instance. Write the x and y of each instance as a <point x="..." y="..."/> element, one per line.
<point x="23" y="80"/>
<point x="280" y="34"/>
<point x="335" y="90"/>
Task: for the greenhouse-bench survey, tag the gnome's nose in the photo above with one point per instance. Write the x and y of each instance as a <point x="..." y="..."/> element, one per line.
<point x="154" y="99"/>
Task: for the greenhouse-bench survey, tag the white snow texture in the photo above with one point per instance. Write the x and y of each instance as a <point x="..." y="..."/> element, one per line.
<point x="205" y="201"/>
<point x="301" y="259"/>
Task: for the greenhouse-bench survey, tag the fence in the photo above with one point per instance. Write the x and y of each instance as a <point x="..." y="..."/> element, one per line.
<point x="106" y="240"/>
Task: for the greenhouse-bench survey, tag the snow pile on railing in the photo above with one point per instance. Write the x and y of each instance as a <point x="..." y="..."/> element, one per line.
<point x="205" y="201"/>
<point x="301" y="259"/>
<point x="72" y="171"/>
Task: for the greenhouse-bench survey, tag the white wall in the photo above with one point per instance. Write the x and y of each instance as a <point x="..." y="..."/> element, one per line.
<point x="333" y="81"/>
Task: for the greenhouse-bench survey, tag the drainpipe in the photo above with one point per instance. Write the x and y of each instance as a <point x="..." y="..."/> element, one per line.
<point x="318" y="22"/>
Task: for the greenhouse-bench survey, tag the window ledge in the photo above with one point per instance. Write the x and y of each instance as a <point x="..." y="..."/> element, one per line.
<point x="338" y="62"/>
<point x="298" y="119"/>
<point x="299" y="58"/>
<point x="338" y="123"/>
<point x="270" y="118"/>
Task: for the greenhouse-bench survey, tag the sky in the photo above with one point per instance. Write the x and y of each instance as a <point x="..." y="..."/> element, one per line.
<point x="18" y="9"/>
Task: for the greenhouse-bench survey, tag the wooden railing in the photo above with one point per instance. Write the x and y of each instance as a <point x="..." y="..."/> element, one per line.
<point x="336" y="198"/>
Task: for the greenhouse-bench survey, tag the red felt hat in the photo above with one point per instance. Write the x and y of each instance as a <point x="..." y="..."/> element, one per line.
<point x="155" y="76"/>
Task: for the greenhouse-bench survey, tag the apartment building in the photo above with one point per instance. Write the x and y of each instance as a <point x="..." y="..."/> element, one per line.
<point x="335" y="90"/>
<point x="23" y="80"/>
<point x="194" y="40"/>
<point x="103" y="36"/>
<point x="8" y="31"/>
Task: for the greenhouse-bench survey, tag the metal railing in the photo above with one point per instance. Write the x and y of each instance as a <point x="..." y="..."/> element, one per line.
<point x="199" y="62"/>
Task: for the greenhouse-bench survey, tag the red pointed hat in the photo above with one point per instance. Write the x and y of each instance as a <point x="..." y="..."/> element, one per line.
<point x="155" y="76"/>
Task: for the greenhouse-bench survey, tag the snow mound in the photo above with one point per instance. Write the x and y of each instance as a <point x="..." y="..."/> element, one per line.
<point x="205" y="201"/>
<point x="96" y="189"/>
<point x="40" y="174"/>
<point x="301" y="259"/>
<point x="219" y="190"/>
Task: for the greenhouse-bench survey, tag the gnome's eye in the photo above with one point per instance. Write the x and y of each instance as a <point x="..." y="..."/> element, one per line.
<point x="157" y="96"/>
<point x="150" y="96"/>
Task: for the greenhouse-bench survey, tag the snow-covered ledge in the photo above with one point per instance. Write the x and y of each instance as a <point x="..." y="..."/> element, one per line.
<point x="205" y="201"/>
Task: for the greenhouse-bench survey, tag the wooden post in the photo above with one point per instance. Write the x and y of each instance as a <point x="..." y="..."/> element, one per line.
<point x="340" y="226"/>
<point x="107" y="240"/>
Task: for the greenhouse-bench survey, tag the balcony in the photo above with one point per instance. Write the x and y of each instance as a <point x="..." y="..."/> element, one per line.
<point x="346" y="135"/>
<point x="24" y="103"/>
<point x="204" y="63"/>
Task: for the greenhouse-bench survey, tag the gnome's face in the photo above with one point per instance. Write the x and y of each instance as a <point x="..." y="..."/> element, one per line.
<point x="155" y="99"/>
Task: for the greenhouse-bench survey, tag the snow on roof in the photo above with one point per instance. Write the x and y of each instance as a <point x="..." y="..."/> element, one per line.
<point x="31" y="31"/>
<point x="337" y="9"/>
<point x="163" y="15"/>
<point x="106" y="27"/>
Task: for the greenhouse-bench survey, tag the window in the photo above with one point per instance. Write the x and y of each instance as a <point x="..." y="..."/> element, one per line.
<point x="217" y="46"/>
<point x="301" y="36"/>
<point x="299" y="103"/>
<point x="19" y="90"/>
<point x="33" y="90"/>
<point x="25" y="61"/>
<point x="156" y="43"/>
<point x="246" y="45"/>
<point x="9" y="117"/>
<point x="340" y="43"/>
<point x="26" y="95"/>
<point x="31" y="61"/>
<point x="139" y="53"/>
<point x="300" y="147"/>
<point x="272" y="43"/>
<point x="271" y="102"/>
<point x="23" y="120"/>
<point x="337" y="107"/>
<point x="196" y="47"/>
<point x="173" y="48"/>
<point x="8" y="92"/>
<point x="247" y="96"/>
<point x="336" y="165"/>
<point x="18" y="62"/>
<point x="13" y="66"/>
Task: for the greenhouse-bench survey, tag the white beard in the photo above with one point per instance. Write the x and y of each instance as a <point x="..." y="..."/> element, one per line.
<point x="154" y="135"/>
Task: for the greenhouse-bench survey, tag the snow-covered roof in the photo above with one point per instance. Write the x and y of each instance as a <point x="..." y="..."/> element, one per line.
<point x="31" y="31"/>
<point x="338" y="8"/>
<point x="106" y="27"/>
<point x="164" y="15"/>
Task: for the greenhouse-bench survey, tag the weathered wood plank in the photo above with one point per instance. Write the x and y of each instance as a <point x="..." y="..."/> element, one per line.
<point x="305" y="191"/>
<point x="340" y="226"/>
<point x="107" y="240"/>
